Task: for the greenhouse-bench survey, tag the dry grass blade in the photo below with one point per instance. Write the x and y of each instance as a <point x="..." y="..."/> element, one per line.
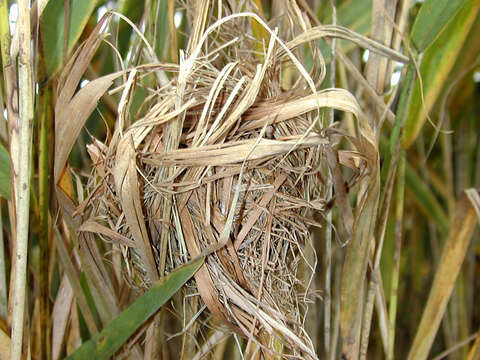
<point x="71" y="117"/>
<point x="341" y="32"/>
<point x="211" y="342"/>
<point x="451" y="260"/>
<point x="71" y="112"/>
<point x="60" y="316"/>
<point x="233" y="152"/>
<point x="126" y="181"/>
<point x="262" y="113"/>
<point x="74" y="280"/>
<point x="75" y="68"/>
<point x="93" y="227"/>
<point x="254" y="216"/>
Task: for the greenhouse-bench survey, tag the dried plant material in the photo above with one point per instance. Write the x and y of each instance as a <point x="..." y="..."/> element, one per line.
<point x="233" y="152"/>
<point x="71" y="117"/>
<point x="60" y="315"/>
<point x="74" y="281"/>
<point x="341" y="32"/>
<point x="127" y="186"/>
<point x="71" y="112"/>
<point x="272" y="113"/>
<point x="451" y="260"/>
<point x="96" y="228"/>
<point x="5" y="345"/>
<point x="225" y="163"/>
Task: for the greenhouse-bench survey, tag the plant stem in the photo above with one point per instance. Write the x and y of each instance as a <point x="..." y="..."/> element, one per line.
<point x="45" y="111"/>
<point x="3" y="272"/>
<point x="399" y="204"/>
<point x="328" y="225"/>
<point x="4" y="33"/>
<point x="23" y="190"/>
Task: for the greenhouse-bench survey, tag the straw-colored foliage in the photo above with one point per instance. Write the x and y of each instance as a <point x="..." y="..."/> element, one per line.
<point x="246" y="184"/>
<point x="227" y="163"/>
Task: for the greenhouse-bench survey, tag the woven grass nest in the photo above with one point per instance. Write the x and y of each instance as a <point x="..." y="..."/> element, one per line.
<point x="227" y="162"/>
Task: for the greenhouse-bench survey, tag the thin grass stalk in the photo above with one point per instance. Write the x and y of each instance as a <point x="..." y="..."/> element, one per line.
<point x="328" y="275"/>
<point x="376" y="67"/>
<point x="336" y="307"/>
<point x="328" y="226"/>
<point x="461" y="345"/>
<point x="474" y="353"/>
<point x="45" y="118"/>
<point x="449" y="173"/>
<point x="3" y="272"/>
<point x="381" y="307"/>
<point x="22" y="209"/>
<point x="4" y="34"/>
<point x="3" y="122"/>
<point x="11" y="102"/>
<point x="463" y="309"/>
<point x="367" y="314"/>
<point x="172" y="32"/>
<point x="43" y="188"/>
<point x="399" y="206"/>
<point x="3" y="269"/>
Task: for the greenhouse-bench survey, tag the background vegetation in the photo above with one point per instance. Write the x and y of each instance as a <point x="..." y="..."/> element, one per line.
<point x="419" y="264"/>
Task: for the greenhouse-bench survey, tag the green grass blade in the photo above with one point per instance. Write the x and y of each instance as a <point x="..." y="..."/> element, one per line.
<point x="133" y="10"/>
<point x="432" y="18"/>
<point x="426" y="200"/>
<point x="353" y="14"/>
<point x="5" y="182"/>
<point x="354" y="272"/>
<point x="54" y="16"/>
<point x="437" y="64"/>
<point x="157" y="33"/>
<point x="110" y="339"/>
<point x="399" y="210"/>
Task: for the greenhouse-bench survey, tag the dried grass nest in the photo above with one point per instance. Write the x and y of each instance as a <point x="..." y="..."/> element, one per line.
<point x="225" y="161"/>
